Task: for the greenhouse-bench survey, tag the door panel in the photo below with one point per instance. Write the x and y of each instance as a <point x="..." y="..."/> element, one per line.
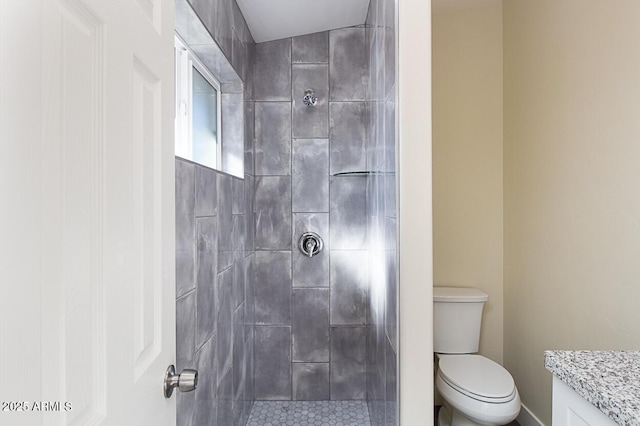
<point x="94" y="184"/>
<point x="72" y="145"/>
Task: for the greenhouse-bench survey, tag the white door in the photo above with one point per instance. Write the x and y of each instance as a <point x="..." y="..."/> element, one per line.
<point x="87" y="306"/>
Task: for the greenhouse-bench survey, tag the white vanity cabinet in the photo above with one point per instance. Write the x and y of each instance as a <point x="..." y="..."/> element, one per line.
<point x="570" y="409"/>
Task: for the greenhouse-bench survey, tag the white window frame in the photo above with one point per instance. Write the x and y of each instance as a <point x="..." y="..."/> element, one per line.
<point x="185" y="61"/>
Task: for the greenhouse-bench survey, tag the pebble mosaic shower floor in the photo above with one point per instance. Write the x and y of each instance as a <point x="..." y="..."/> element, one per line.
<point x="309" y="413"/>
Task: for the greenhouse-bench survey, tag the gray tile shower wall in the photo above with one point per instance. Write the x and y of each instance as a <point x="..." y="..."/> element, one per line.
<point x="227" y="26"/>
<point x="311" y="313"/>
<point x="215" y="312"/>
<point x="381" y="209"/>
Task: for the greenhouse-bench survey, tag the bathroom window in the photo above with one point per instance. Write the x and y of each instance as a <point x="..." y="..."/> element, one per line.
<point x="198" y="110"/>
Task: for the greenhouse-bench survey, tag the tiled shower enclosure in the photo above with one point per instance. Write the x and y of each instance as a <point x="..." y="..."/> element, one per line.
<point x="257" y="318"/>
<point x="311" y="312"/>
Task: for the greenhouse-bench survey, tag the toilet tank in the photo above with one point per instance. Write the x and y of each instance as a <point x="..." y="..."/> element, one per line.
<point x="457" y="317"/>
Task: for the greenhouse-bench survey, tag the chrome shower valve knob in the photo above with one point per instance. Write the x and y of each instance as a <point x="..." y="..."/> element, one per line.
<point x="310" y="244"/>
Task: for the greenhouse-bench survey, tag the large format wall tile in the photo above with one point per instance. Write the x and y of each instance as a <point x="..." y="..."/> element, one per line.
<point x="348" y="363"/>
<point x="225" y="221"/>
<point x="310" y="121"/>
<point x="249" y="136"/>
<point x="206" y="11"/>
<point x="273" y="213"/>
<point x="310" y="331"/>
<point x="348" y="213"/>
<point x="391" y="388"/>
<point x="272" y="78"/>
<point x="249" y="291"/>
<point x="249" y="195"/>
<point x="273" y="287"/>
<point x="239" y="236"/>
<point x="348" y="136"/>
<point x="391" y="287"/>
<point x="249" y="393"/>
<point x="239" y="278"/>
<point x="205" y="284"/>
<point x="273" y="363"/>
<point x="186" y="409"/>
<point x="224" y="26"/>
<point x="225" y="399"/>
<point x="206" y="198"/>
<point x="224" y="310"/>
<point x="349" y="287"/>
<point x="375" y="382"/>
<point x="237" y="191"/>
<point x="239" y="366"/>
<point x="232" y="133"/>
<point x="185" y="227"/>
<point x="311" y="271"/>
<point x="273" y="138"/>
<point x="310" y="381"/>
<point x="389" y="61"/>
<point x="348" y="64"/>
<point x="311" y="48"/>
<point x="207" y="384"/>
<point x="186" y="331"/>
<point x="310" y="180"/>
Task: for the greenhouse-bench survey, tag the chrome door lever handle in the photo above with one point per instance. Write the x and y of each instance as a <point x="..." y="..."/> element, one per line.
<point x="186" y="381"/>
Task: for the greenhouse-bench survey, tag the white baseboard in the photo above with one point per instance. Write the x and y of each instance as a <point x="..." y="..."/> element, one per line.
<point x="527" y="418"/>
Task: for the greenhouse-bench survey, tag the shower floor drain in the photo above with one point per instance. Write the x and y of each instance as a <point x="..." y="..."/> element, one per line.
<point x="309" y="413"/>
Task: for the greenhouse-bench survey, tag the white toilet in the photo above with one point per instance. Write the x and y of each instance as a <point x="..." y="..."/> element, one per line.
<point x="475" y="390"/>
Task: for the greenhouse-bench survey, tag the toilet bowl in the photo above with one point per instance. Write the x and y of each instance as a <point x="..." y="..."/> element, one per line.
<point x="477" y="391"/>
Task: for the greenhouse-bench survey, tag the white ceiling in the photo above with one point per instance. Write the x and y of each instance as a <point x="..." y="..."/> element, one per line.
<point x="276" y="19"/>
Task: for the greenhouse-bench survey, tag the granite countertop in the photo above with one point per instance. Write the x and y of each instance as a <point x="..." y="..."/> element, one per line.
<point x="610" y="380"/>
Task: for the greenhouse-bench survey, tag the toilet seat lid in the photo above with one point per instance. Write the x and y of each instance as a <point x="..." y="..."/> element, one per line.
<point x="477" y="377"/>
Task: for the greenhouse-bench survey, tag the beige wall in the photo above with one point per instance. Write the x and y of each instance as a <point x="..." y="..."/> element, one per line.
<point x="572" y="183"/>
<point x="467" y="157"/>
